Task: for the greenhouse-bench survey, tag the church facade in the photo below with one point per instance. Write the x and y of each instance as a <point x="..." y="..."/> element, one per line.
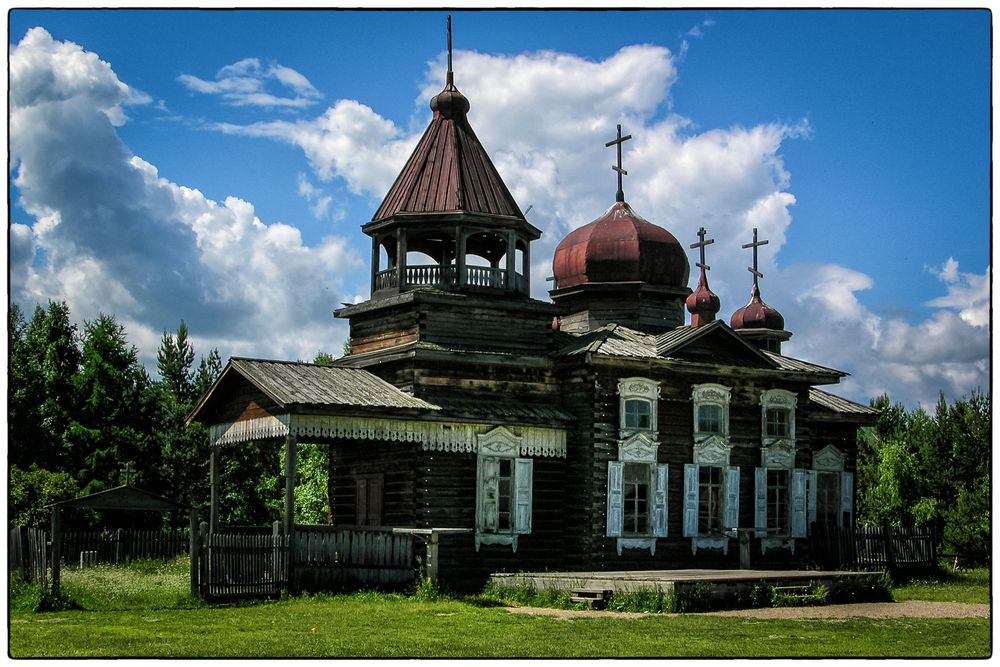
<point x="619" y="425"/>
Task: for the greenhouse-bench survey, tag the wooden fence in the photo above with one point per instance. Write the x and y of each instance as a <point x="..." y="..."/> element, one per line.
<point x="336" y="557"/>
<point x="27" y="554"/>
<point x="121" y="546"/>
<point x="254" y="562"/>
<point x="243" y="563"/>
<point x="873" y="547"/>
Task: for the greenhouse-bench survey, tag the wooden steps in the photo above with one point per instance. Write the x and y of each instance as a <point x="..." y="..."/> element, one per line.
<point x="795" y="592"/>
<point x="593" y="598"/>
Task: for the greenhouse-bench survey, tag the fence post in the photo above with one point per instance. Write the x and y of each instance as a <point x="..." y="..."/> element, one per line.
<point x="195" y="550"/>
<point x="204" y="554"/>
<point x="887" y="540"/>
<point x="55" y="551"/>
<point x="432" y="557"/>
<point x="277" y="566"/>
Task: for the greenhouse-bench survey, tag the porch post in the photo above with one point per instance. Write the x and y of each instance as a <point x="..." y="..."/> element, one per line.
<point x="401" y="256"/>
<point x="459" y="256"/>
<point x="291" y="447"/>
<point x="213" y="468"/>
<point x="511" y="260"/>
<point x="375" y="258"/>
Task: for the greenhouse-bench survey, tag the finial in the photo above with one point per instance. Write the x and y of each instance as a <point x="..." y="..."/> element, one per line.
<point x="451" y="75"/>
<point x="620" y="195"/>
<point x="703" y="303"/>
<point x="753" y="269"/>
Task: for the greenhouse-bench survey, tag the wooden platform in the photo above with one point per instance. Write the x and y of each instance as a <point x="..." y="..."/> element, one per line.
<point x="723" y="582"/>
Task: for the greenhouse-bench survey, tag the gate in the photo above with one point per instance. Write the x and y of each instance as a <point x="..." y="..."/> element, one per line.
<point x="243" y="564"/>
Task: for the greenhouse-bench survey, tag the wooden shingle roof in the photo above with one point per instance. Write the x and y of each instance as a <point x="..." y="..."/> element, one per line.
<point x="449" y="171"/>
<point x="295" y="383"/>
<point x="839" y="405"/>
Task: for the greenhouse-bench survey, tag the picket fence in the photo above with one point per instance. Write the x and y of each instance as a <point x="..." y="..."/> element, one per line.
<point x="121" y="546"/>
<point x="27" y="554"/>
<point x="248" y="562"/>
<point x="873" y="547"/>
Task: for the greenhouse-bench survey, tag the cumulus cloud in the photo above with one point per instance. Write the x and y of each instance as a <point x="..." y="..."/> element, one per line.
<point x="544" y="118"/>
<point x="110" y="235"/>
<point x="244" y="83"/>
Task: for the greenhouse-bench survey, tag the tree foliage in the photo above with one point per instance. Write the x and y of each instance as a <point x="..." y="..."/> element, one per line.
<point x="82" y="408"/>
<point x="923" y="470"/>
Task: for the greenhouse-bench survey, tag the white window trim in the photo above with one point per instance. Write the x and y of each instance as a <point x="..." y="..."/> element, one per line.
<point x="501" y="443"/>
<point x="731" y="504"/>
<point x="639" y="447"/>
<point x="797" y="507"/>
<point x="711" y="394"/>
<point x="777" y="398"/>
<point x="831" y="460"/>
<point x="641" y="388"/>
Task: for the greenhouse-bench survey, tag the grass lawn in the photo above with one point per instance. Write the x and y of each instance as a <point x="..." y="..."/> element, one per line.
<point x="169" y="624"/>
<point x="969" y="586"/>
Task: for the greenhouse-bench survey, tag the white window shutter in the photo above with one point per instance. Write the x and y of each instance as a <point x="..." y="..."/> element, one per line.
<point x="732" y="513"/>
<point x="760" y="501"/>
<point x="522" y="495"/>
<point x="489" y="473"/>
<point x="798" y="503"/>
<point x="846" y="498"/>
<point x="690" y="500"/>
<point x="660" y="502"/>
<point x="811" y="493"/>
<point x="616" y="471"/>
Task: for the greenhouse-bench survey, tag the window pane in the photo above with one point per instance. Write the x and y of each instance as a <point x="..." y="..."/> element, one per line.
<point x="504" y="488"/>
<point x="777" y="501"/>
<point x="636" y="498"/>
<point x="710" y="419"/>
<point x="637" y="413"/>
<point x="776" y="422"/>
<point x="827" y="497"/>
<point x="710" y="498"/>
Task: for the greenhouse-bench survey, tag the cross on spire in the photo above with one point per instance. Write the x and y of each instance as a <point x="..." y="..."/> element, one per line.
<point x="127" y="472"/>
<point x="756" y="244"/>
<point x="620" y="195"/>
<point x="701" y="246"/>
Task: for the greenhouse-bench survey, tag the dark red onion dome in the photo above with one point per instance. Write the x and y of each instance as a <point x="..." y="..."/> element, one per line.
<point x="703" y="303"/>
<point x="620" y="247"/>
<point x="757" y="315"/>
<point x="450" y="103"/>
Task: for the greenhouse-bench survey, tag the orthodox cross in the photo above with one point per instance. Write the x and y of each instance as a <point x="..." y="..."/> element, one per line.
<point x="701" y="246"/>
<point x="620" y="195"/>
<point x="756" y="244"/>
<point x="127" y="472"/>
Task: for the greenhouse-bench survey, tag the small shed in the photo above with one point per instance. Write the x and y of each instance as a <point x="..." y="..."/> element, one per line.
<point x="124" y="497"/>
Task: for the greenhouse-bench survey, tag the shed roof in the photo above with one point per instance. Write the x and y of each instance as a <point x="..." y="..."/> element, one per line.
<point x="839" y="405"/>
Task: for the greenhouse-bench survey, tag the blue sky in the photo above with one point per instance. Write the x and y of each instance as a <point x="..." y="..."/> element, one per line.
<point x="216" y="166"/>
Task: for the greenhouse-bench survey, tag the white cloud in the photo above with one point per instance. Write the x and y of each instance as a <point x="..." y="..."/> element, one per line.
<point x="544" y="117"/>
<point x="110" y="235"/>
<point x="243" y="83"/>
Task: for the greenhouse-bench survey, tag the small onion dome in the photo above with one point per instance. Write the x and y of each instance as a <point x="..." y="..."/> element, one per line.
<point x="620" y="247"/>
<point x="450" y="103"/>
<point x="703" y="303"/>
<point x="757" y="315"/>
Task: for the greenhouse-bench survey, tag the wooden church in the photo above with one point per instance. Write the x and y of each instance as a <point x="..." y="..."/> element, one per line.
<point x="600" y="430"/>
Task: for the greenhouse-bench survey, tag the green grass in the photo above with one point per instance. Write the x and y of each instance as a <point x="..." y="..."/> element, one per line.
<point x="968" y="586"/>
<point x="145" y="611"/>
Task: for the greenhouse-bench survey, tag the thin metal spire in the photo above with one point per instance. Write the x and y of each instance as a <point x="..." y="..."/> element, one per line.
<point x="451" y="75"/>
<point x="620" y="195"/>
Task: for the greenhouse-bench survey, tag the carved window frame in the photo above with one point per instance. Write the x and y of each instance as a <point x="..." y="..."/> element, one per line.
<point x="639" y="447"/>
<point x="710" y="393"/>
<point x="638" y="388"/>
<point x="778" y="399"/>
<point x="501" y="443"/>
<point x="830" y="460"/>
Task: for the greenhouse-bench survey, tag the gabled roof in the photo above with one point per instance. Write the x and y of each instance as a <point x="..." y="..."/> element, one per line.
<point x="124" y="497"/>
<point x="449" y="171"/>
<point x="685" y="344"/>
<point x="301" y="384"/>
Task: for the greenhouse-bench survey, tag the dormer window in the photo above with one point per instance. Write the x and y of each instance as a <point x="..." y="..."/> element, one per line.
<point x="637" y="405"/>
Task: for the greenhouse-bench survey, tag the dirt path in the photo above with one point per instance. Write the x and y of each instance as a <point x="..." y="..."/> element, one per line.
<point x="908" y="609"/>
